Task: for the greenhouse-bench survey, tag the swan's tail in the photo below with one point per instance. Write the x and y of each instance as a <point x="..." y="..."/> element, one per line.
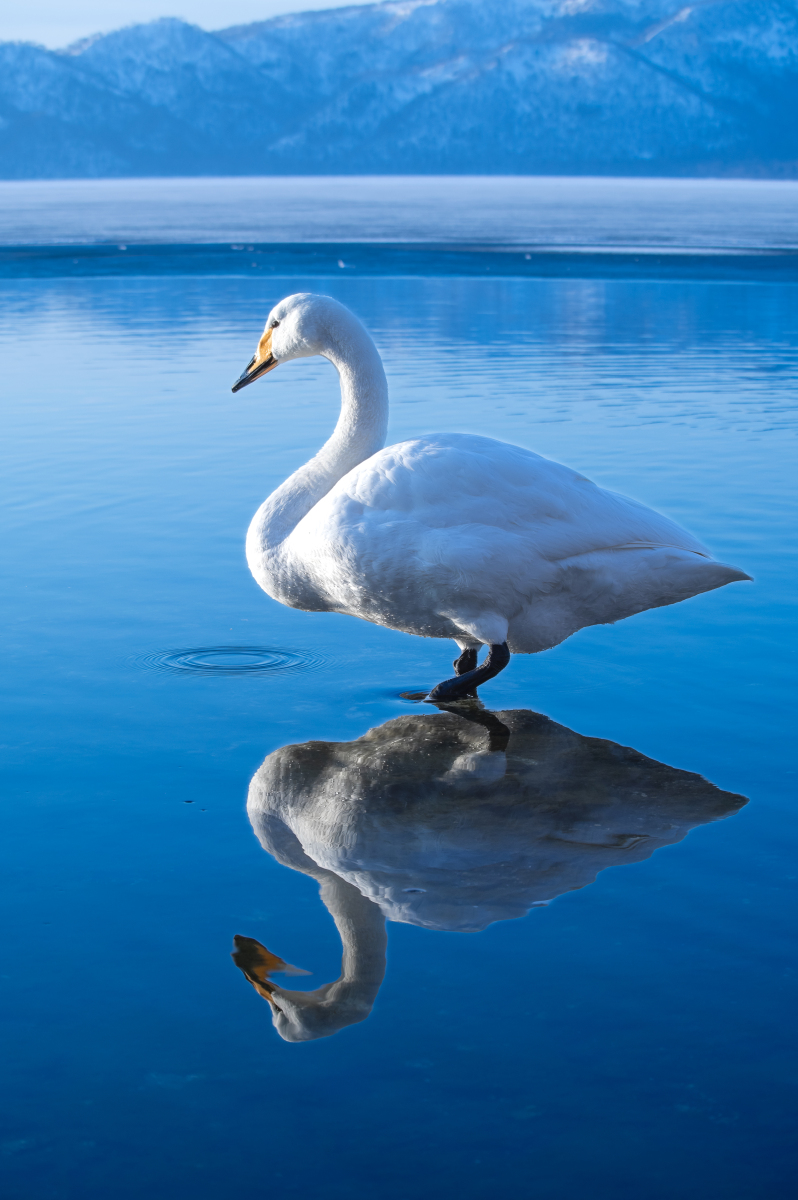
<point x="711" y="574"/>
<point x="605" y="586"/>
<point x="732" y="575"/>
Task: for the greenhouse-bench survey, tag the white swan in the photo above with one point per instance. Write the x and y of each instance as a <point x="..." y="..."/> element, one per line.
<point x="451" y="535"/>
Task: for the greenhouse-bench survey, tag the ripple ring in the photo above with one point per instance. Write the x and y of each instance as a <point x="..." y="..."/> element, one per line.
<point x="230" y="660"/>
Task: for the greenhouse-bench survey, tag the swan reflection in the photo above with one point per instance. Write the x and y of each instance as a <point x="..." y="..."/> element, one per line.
<point x="451" y="821"/>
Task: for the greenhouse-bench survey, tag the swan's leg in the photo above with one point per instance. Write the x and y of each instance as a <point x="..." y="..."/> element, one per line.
<point x="466" y="662"/>
<point x="463" y="686"/>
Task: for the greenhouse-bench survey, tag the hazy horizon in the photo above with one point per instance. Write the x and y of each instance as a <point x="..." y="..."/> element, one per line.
<point x="46" y="22"/>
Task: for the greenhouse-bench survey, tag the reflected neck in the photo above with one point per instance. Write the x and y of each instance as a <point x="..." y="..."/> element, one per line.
<point x="304" y="1016"/>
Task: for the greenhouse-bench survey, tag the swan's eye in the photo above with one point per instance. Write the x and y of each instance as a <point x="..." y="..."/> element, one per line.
<point x="274" y="324"/>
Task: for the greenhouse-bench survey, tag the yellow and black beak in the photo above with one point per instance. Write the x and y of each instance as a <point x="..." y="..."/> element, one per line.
<point x="261" y="363"/>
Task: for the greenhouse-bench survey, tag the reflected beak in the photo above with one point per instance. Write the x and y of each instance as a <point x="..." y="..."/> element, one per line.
<point x="261" y="363"/>
<point x="257" y="964"/>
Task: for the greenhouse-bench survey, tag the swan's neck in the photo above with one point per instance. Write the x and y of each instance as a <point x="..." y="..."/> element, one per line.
<point x="360" y="432"/>
<point x="361" y="926"/>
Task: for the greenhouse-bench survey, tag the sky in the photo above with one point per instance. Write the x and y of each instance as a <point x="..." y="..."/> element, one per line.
<point x="56" y="23"/>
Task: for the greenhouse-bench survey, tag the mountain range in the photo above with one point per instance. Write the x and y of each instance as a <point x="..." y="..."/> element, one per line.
<point x="634" y="87"/>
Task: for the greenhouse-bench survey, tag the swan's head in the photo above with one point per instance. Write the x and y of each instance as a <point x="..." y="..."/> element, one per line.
<point x="298" y="327"/>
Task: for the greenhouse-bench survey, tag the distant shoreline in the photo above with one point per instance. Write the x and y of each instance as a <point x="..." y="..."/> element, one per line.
<point x="577" y="214"/>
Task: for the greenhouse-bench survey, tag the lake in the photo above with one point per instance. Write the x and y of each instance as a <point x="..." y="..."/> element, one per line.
<point x="586" y="886"/>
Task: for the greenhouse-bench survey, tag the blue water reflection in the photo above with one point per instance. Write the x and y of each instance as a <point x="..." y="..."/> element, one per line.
<point x="635" y="1037"/>
<point x="451" y="822"/>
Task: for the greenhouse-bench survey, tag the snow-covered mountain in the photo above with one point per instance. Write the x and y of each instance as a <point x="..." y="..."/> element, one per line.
<point x="418" y="86"/>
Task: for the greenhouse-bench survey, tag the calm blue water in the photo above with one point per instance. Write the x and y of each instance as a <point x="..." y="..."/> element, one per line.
<point x="633" y="1038"/>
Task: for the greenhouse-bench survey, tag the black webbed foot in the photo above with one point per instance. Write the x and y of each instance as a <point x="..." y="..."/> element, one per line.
<point x="462" y="686"/>
<point x="466" y="662"/>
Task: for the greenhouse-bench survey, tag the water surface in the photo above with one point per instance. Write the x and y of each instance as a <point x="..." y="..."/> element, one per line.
<point x="590" y="981"/>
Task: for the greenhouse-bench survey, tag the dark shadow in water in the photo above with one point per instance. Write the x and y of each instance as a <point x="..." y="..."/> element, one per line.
<point x="451" y="821"/>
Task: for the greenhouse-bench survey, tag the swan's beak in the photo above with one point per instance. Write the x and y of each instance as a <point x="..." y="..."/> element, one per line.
<point x="261" y="363"/>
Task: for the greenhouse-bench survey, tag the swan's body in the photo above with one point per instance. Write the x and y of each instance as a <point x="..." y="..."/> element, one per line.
<point x="464" y="537"/>
<point x="452" y="823"/>
<point x="451" y="535"/>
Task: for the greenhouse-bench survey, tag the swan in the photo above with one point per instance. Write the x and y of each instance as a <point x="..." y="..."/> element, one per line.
<point x="451" y="821"/>
<point x="451" y="535"/>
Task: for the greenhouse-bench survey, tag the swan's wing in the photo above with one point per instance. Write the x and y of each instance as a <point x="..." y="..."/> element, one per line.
<point x="455" y="480"/>
<point x="454" y="532"/>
